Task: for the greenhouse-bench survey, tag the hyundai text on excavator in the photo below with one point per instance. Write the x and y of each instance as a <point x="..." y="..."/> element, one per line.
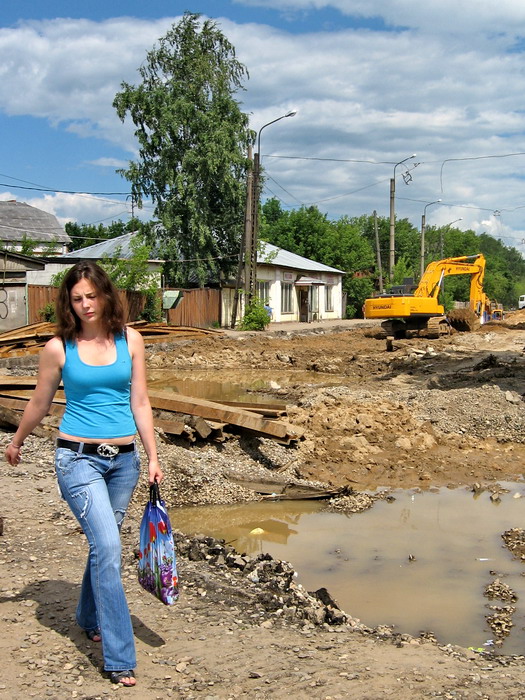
<point x="421" y="311"/>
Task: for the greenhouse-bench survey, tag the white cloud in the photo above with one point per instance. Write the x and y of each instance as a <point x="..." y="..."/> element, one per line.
<point x="363" y="95"/>
<point x="449" y="16"/>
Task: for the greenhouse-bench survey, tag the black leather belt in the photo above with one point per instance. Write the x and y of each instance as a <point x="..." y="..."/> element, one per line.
<point x="103" y="449"/>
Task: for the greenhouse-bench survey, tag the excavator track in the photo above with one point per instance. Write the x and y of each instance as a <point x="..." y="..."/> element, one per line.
<point x="437" y="326"/>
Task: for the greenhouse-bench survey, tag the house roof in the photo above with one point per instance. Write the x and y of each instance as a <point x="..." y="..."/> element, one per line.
<point x="18" y="219"/>
<point x="110" y="247"/>
<point x="283" y="258"/>
<point x="270" y="255"/>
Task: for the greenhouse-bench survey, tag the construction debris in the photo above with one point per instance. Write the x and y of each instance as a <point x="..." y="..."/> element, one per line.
<point x="174" y="414"/>
<point x="29" y="340"/>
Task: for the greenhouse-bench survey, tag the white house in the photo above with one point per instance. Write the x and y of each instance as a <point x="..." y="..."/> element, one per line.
<point x="295" y="288"/>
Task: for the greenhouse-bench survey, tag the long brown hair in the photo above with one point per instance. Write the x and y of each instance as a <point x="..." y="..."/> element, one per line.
<point x="68" y="323"/>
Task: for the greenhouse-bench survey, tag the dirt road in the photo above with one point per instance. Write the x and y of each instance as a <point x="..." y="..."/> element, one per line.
<point x="432" y="412"/>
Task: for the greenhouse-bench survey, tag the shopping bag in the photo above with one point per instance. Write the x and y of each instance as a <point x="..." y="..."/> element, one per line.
<point x="157" y="570"/>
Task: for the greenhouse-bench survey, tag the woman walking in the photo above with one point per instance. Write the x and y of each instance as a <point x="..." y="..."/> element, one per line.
<point x="102" y="366"/>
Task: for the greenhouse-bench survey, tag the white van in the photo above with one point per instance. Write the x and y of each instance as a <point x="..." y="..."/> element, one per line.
<point x="521" y="301"/>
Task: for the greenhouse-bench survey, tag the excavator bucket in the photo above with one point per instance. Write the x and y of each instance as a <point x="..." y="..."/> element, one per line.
<point x="463" y="319"/>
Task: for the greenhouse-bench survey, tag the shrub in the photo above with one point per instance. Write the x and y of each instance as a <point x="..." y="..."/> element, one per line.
<point x="47" y="313"/>
<point x="256" y="317"/>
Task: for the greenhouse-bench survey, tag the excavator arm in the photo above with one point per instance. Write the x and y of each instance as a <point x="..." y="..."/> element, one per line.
<point x="473" y="265"/>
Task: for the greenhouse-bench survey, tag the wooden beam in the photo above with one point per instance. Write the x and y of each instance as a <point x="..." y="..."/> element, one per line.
<point x="170" y="401"/>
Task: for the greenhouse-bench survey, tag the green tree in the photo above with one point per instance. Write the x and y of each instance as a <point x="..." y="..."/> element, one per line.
<point x="193" y="140"/>
<point x="28" y="245"/>
<point x="133" y="274"/>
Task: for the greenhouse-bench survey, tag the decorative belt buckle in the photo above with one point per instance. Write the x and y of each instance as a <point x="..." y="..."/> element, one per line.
<point x="106" y="450"/>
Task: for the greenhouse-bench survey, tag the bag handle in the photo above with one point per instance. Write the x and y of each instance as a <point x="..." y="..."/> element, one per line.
<point x="154" y="493"/>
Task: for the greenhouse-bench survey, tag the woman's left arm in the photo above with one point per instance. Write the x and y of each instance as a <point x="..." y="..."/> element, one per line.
<point x="140" y="403"/>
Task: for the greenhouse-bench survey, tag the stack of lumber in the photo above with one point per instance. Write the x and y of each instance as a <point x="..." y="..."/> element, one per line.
<point x="26" y="340"/>
<point x="180" y="415"/>
<point x="29" y="340"/>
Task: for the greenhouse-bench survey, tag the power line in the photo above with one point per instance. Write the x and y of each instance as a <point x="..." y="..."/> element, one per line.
<point x="50" y="189"/>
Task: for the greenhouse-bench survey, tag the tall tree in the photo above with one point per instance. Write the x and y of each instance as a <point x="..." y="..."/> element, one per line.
<point x="193" y="140"/>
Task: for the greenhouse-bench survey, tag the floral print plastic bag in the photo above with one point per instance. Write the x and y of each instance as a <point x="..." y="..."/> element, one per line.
<point x="157" y="563"/>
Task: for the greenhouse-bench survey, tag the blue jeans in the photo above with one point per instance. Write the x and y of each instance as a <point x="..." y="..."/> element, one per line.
<point x="98" y="491"/>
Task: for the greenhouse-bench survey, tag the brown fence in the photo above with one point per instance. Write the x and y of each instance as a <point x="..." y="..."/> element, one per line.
<point x="198" y="307"/>
<point x="38" y="295"/>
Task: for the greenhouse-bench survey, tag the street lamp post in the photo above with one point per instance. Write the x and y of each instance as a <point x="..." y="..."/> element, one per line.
<point x="393" y="217"/>
<point x="423" y="227"/>
<point x="251" y="247"/>
<point x="443" y="230"/>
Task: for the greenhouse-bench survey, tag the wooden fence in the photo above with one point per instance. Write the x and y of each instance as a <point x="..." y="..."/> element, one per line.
<point x="38" y="295"/>
<point x="200" y="308"/>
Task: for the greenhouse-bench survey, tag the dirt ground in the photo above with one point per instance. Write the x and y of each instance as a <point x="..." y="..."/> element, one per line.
<point x="429" y="413"/>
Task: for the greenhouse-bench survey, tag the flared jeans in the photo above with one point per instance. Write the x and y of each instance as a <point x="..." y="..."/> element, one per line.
<point x="98" y="491"/>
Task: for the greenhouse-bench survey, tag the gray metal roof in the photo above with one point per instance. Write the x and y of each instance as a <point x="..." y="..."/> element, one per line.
<point x="276" y="256"/>
<point x="18" y="219"/>
<point x="283" y="258"/>
<point x="109" y="247"/>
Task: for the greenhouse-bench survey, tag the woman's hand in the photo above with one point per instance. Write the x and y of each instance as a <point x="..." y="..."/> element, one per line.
<point x="12" y="454"/>
<point x="155" y="472"/>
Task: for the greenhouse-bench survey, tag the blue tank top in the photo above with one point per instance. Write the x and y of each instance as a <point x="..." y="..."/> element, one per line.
<point x="98" y="397"/>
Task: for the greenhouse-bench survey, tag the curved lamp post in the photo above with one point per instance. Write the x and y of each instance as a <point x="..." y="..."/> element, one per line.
<point x="423" y="227"/>
<point x="393" y="216"/>
<point x="441" y="234"/>
<point x="252" y="240"/>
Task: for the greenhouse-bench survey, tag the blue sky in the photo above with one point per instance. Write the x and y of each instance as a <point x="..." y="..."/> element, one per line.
<point x="372" y="82"/>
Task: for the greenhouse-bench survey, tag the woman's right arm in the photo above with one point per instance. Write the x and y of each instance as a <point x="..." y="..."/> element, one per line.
<point x="49" y="375"/>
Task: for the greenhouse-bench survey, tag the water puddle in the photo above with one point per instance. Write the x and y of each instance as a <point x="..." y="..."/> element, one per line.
<point x="235" y="385"/>
<point x="420" y="563"/>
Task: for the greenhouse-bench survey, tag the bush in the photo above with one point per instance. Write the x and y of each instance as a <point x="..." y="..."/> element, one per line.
<point x="47" y="313"/>
<point x="256" y="317"/>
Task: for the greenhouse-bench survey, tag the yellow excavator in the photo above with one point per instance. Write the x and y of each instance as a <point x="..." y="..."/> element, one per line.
<point x="420" y="311"/>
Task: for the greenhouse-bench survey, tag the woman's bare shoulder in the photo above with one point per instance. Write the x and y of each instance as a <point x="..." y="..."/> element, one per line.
<point x="54" y="347"/>
<point x="133" y="334"/>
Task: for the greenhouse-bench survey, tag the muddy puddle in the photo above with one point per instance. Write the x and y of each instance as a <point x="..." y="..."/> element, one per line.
<point x="419" y="563"/>
<point x="235" y="385"/>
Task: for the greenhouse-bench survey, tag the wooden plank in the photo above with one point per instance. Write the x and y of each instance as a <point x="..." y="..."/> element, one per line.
<point x="252" y="405"/>
<point x="8" y="416"/>
<point x="172" y="427"/>
<point x="220" y="412"/>
<point x="21" y="388"/>
<point x="19" y="404"/>
<point x="202" y="428"/>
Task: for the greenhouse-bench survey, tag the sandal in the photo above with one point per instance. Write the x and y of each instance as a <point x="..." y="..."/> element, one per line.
<point x="120" y="676"/>
<point x="94" y="635"/>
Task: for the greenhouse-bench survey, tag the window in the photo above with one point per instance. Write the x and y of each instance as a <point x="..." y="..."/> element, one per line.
<point x="313" y="298"/>
<point x="286" y="298"/>
<point x="329" y="297"/>
<point x="263" y="291"/>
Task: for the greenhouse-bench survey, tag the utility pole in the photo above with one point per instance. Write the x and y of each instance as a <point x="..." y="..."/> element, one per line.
<point x="392" y="261"/>
<point x="250" y="278"/>
<point x="246" y="240"/>
<point x="252" y="244"/>
<point x="378" y="254"/>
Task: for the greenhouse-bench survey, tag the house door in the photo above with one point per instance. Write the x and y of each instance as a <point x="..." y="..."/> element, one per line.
<point x="304" y="305"/>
